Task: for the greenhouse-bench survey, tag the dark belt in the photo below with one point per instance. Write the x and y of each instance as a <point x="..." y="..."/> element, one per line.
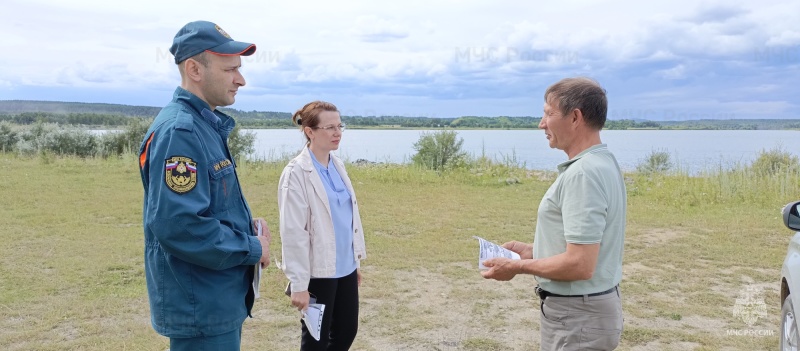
<point x="543" y="294"/>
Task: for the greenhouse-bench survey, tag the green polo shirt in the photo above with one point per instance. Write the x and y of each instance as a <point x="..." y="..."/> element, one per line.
<point x="585" y="205"/>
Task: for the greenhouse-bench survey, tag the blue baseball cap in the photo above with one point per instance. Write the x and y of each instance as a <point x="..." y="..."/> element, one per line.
<point x="198" y="36"/>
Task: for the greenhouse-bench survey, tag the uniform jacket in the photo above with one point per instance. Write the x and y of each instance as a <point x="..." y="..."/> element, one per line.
<point x="199" y="244"/>
<point x="307" y="235"/>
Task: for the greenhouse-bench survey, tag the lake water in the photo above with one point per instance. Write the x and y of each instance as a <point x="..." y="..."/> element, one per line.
<point x="691" y="150"/>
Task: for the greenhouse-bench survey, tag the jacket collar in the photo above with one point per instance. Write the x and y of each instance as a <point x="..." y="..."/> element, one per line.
<point x="316" y="182"/>
<point x="305" y="159"/>
<point x="305" y="162"/>
<point x="220" y="121"/>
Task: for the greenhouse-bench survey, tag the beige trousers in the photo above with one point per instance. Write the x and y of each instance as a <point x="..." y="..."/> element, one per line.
<point x="581" y="323"/>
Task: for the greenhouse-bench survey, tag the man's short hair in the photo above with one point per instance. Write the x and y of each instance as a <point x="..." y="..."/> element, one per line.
<point x="582" y="93"/>
<point x="201" y="58"/>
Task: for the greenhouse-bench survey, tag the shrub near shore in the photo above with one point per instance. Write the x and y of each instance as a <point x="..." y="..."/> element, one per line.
<point x="48" y="139"/>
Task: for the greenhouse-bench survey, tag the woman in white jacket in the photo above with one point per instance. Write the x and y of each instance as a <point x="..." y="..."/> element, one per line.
<point x="321" y="233"/>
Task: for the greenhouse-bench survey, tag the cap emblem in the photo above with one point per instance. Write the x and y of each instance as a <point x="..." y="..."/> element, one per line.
<point x="222" y="31"/>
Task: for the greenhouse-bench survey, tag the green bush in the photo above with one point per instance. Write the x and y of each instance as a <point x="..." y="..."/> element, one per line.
<point x="241" y="143"/>
<point x="73" y="141"/>
<point x="657" y="162"/>
<point x="508" y="170"/>
<point x="126" y="141"/>
<point x="8" y="137"/>
<point x="775" y="161"/>
<point x="440" y="151"/>
<point x="773" y="175"/>
<point x="34" y="139"/>
<point x="54" y="140"/>
<point x="58" y="140"/>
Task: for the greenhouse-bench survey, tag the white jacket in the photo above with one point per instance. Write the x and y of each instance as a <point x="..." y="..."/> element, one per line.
<point x="308" y="242"/>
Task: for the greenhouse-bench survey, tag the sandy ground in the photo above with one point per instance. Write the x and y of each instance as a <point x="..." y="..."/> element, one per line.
<point x="451" y="307"/>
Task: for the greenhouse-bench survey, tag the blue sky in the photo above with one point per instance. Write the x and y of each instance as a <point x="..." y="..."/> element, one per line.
<point x="659" y="60"/>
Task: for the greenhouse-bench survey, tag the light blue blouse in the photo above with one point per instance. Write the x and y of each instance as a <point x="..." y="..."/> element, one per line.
<point x="342" y="215"/>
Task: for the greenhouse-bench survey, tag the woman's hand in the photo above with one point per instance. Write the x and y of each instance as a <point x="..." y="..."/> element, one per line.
<point x="300" y="300"/>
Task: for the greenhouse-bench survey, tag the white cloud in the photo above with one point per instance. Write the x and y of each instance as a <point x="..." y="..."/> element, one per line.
<point x="370" y="28"/>
<point x="785" y="38"/>
<point x="765" y="88"/>
<point x="677" y="72"/>
<point x="415" y="50"/>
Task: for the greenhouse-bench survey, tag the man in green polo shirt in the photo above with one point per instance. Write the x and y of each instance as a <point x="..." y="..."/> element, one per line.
<point x="576" y="256"/>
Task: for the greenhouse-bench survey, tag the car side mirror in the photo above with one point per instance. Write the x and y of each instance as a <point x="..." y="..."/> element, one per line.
<point x="791" y="215"/>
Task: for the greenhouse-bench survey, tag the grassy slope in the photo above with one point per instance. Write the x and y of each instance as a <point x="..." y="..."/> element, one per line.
<point x="72" y="276"/>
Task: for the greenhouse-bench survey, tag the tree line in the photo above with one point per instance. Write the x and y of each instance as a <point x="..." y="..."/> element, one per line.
<point x="255" y="119"/>
<point x="13" y="107"/>
<point x="25" y="112"/>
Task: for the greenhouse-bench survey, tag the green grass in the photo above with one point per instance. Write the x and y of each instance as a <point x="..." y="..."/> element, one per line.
<point x="72" y="268"/>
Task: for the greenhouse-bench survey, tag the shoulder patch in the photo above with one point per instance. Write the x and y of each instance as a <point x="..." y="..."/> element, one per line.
<point x="180" y="174"/>
<point x="184" y="120"/>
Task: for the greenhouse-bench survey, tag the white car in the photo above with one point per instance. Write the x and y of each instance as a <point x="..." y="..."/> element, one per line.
<point x="790" y="281"/>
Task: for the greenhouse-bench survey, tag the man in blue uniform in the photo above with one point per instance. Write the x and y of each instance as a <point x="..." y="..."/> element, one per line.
<point x="200" y="239"/>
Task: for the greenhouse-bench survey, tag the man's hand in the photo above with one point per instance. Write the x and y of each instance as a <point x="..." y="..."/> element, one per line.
<point x="501" y="268"/>
<point x="264" y="228"/>
<point x="264" y="251"/>
<point x="358" y="272"/>
<point x="264" y="239"/>
<point x="300" y="300"/>
<point x="524" y="250"/>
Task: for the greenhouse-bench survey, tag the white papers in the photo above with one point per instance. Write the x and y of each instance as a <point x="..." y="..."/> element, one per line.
<point x="489" y="250"/>
<point x="312" y="317"/>
<point x="257" y="270"/>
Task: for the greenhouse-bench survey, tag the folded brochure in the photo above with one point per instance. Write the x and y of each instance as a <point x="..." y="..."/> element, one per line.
<point x="489" y="250"/>
<point x="257" y="270"/>
<point x="312" y="317"/>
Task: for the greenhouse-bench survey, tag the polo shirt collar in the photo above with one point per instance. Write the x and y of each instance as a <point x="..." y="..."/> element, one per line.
<point x="595" y="148"/>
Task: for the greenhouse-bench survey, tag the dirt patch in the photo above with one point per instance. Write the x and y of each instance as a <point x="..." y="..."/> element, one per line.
<point x="429" y="311"/>
<point x="66" y="331"/>
<point x="629" y="269"/>
<point x="695" y="323"/>
<point x="658" y="236"/>
<point x="761" y="290"/>
<point x="657" y="345"/>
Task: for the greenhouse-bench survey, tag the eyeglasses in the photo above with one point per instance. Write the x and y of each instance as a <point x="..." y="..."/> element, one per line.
<point x="340" y="128"/>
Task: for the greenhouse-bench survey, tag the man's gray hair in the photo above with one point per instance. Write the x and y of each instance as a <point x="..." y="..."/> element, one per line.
<point x="582" y="93"/>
